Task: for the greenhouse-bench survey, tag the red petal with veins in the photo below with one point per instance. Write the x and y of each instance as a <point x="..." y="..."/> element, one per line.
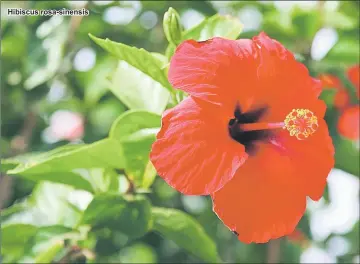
<point x="263" y="201"/>
<point x="194" y="152"/>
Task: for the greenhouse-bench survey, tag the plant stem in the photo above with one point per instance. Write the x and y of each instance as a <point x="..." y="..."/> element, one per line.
<point x="273" y="253"/>
<point x="19" y="144"/>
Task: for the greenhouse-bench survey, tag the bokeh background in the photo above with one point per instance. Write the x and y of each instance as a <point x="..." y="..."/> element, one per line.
<point x="55" y="91"/>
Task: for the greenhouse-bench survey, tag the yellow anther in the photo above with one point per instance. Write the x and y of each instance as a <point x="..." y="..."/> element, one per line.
<point x="301" y="123"/>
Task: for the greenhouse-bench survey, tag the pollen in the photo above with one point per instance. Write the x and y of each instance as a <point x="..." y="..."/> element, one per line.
<point x="301" y="123"/>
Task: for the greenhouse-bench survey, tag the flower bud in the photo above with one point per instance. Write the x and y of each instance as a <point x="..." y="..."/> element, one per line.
<point x="172" y="26"/>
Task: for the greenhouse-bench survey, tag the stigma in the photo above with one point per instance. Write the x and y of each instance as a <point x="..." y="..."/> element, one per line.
<point x="301" y="123"/>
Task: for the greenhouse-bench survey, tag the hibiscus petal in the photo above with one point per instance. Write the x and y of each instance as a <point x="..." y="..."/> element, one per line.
<point x="211" y="69"/>
<point x="283" y="82"/>
<point x="312" y="158"/>
<point x="194" y="152"/>
<point x="263" y="201"/>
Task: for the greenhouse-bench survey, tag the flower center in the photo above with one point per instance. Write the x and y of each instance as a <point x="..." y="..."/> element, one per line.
<point x="249" y="137"/>
<point x="245" y="129"/>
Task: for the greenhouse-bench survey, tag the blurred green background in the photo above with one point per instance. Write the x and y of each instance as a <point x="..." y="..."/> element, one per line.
<point x="59" y="88"/>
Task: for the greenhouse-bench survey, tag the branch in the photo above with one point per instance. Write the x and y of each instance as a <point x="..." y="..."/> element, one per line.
<point x="76" y="254"/>
<point x="75" y="22"/>
<point x="131" y="188"/>
<point x="273" y="253"/>
<point x="19" y="144"/>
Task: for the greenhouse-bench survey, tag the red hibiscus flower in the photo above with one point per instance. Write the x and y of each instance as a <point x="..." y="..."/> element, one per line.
<point x="353" y="74"/>
<point x="342" y="98"/>
<point x="251" y="134"/>
<point x="348" y="123"/>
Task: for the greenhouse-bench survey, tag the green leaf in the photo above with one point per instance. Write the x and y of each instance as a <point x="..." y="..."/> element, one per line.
<point x="138" y="166"/>
<point x="103" y="114"/>
<point x="345" y="52"/>
<point x="138" y="58"/>
<point x="186" y="232"/>
<point x="49" y="204"/>
<point x="346" y="156"/>
<point x="101" y="179"/>
<point x="38" y="244"/>
<point x="148" y="176"/>
<point x="132" y="121"/>
<point x="346" y="151"/>
<point x="4" y="143"/>
<point x="305" y="23"/>
<point x="64" y="177"/>
<point x="137" y="91"/>
<point x="49" y="254"/>
<point x="130" y="215"/>
<point x="136" y="130"/>
<point x="14" y="237"/>
<point x="137" y="253"/>
<point x="105" y="153"/>
<point x="215" y="26"/>
<point x="12" y="45"/>
<point x="48" y="241"/>
<point x="160" y="57"/>
<point x="328" y="96"/>
<point x="170" y="50"/>
<point x="8" y="165"/>
<point x="13" y="209"/>
<point x="339" y="20"/>
<point x="95" y="81"/>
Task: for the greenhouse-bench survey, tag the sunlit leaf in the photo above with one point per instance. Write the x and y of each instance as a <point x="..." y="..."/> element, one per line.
<point x="49" y="204"/>
<point x="101" y="179"/>
<point x="106" y="153"/>
<point x="8" y="165"/>
<point x="95" y="81"/>
<point x="48" y="255"/>
<point x="215" y="26"/>
<point x="48" y="241"/>
<point x="138" y="58"/>
<point x="137" y="90"/>
<point x="339" y="20"/>
<point x="14" y="238"/>
<point x="133" y="121"/>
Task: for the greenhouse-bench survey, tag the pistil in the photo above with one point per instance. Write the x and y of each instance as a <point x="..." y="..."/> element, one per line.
<point x="300" y="123"/>
<point x="261" y="126"/>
